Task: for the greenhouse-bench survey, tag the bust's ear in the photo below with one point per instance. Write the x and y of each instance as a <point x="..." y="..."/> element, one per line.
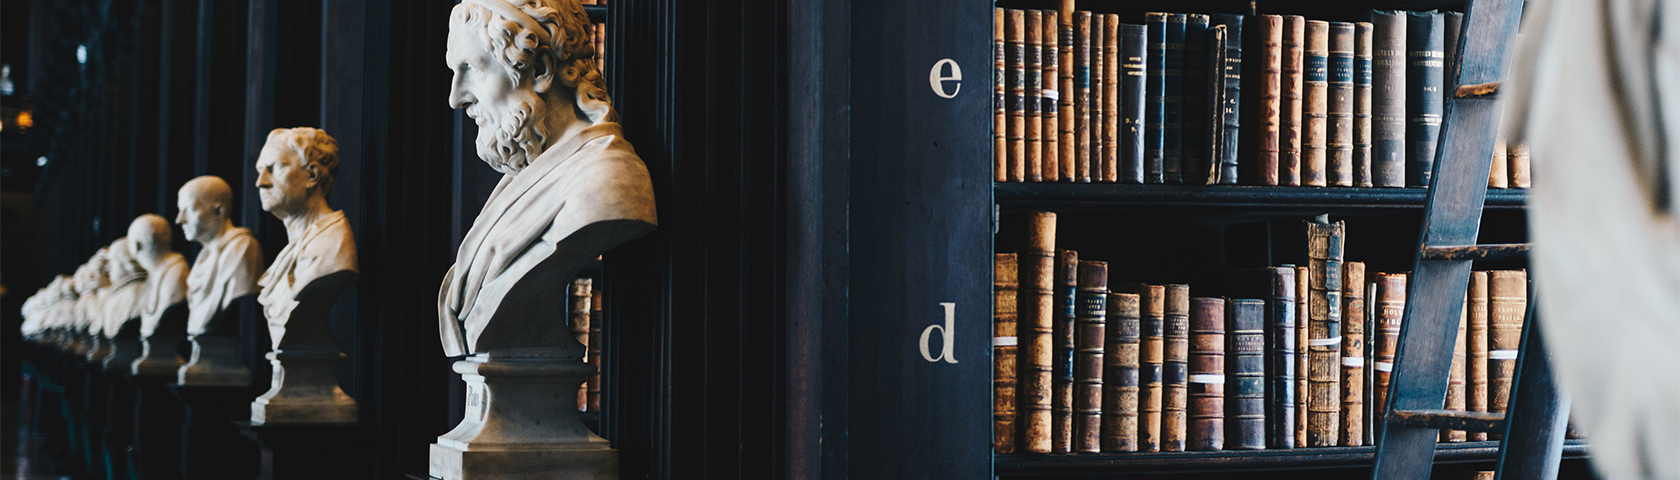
<point x="543" y="74"/>
<point x="314" y="171"/>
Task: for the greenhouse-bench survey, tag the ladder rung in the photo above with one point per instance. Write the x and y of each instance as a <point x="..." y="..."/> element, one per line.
<point x="1448" y="420"/>
<point x="1492" y="251"/>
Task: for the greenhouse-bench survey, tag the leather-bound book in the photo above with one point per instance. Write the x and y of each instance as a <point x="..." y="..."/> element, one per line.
<point x="1050" y="100"/>
<point x="1034" y="132"/>
<point x="1152" y="303"/>
<point x="1302" y="279"/>
<point x="1210" y="169"/>
<point x="1245" y="368"/>
<point x="580" y="328"/>
<point x="1455" y="377"/>
<point x="1362" y="104"/>
<point x="1499" y="175"/>
<point x="1111" y="97"/>
<point x="1035" y="304"/>
<point x="1315" y="104"/>
<point x="1291" y="121"/>
<point x="1003" y="352"/>
<point x="1205" y="426"/>
<point x="1014" y="39"/>
<point x="1172" y="154"/>
<point x="1061" y="367"/>
<point x="1340" y="156"/>
<point x="1133" y="63"/>
<point x="1120" y="374"/>
<point x="1154" y="96"/>
<point x="1324" y="333"/>
<point x="1518" y="153"/>
<point x="1269" y="39"/>
<point x="1099" y="97"/>
<point x="1373" y="333"/>
<point x="1391" y="309"/>
<point x="1231" y="97"/>
<point x="1064" y="92"/>
<point x="1089" y="333"/>
<point x="1193" y="133"/>
<point x="1353" y="354"/>
<point x="595" y="321"/>
<point x="1281" y="345"/>
<point x="1000" y="116"/>
<point x="1425" y="62"/>
<point x="1174" y="367"/>
<point x="1476" y="339"/>
<point x="1082" y="102"/>
<point x="1452" y="24"/>
<point x="1388" y="98"/>
<point x="1507" y="304"/>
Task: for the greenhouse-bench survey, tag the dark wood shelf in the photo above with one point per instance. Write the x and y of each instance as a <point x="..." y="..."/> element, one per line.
<point x="1228" y="198"/>
<point x="1237" y="460"/>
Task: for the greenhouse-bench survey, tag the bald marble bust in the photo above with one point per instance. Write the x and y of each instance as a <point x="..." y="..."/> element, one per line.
<point x="162" y="307"/>
<point x="228" y="266"/>
<point x="122" y="298"/>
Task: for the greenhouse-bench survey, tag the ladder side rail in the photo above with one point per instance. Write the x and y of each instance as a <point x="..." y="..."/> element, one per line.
<point x="1538" y="412"/>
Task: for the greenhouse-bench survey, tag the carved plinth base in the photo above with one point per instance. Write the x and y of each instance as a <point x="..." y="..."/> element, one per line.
<point x="211" y="446"/>
<point x="158" y="357"/>
<point x="311" y="451"/>
<point x="124" y="351"/>
<point x="518" y="425"/>
<point x="77" y="344"/>
<point x="304" y="390"/>
<point x="101" y="348"/>
<point x="215" y="361"/>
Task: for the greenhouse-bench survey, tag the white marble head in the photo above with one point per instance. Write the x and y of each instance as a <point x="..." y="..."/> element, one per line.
<point x="93" y="275"/>
<point x="205" y="208"/>
<point x="149" y="238"/>
<point x="121" y="266"/>
<point x="525" y="71"/>
<point x="296" y="168"/>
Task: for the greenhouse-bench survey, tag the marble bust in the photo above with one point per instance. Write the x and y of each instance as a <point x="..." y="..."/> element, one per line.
<point x="161" y="303"/>
<point x="571" y="189"/>
<point x="225" y="271"/>
<point x="295" y="174"/>
<point x="122" y="298"/>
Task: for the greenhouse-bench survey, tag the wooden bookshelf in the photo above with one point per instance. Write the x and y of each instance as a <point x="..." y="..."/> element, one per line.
<point x="1340" y="200"/>
<point x="1233" y="461"/>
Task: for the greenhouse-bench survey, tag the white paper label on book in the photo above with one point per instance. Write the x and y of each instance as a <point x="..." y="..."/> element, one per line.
<point x="1353" y="362"/>
<point x="1051" y="95"/>
<point x="1207" y="378"/>
<point x="1384" y="367"/>
<point x="1502" y="354"/>
<point x="1003" y="341"/>
<point x="1324" y="342"/>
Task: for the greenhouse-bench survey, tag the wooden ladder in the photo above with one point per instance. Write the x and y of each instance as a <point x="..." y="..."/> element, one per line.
<point x="1533" y="424"/>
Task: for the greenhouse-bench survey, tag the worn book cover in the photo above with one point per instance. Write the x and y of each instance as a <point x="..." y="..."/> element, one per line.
<point x="1455" y="375"/>
<point x="1034" y="132"/>
<point x="1270" y="40"/>
<point x="1303" y="278"/>
<point x="1050" y="98"/>
<point x="1133" y="65"/>
<point x="1089" y="332"/>
<point x="1324" y="336"/>
<point x="1388" y="98"/>
<point x="1000" y="115"/>
<point x="1315" y="104"/>
<point x="1003" y="352"/>
<point x="1391" y="309"/>
<point x="1174" y="368"/>
<point x="1230" y="109"/>
<point x="1099" y="97"/>
<point x="1193" y="125"/>
<point x="1111" y="98"/>
<point x="1082" y="101"/>
<point x="1152" y="357"/>
<point x="1507" y="305"/>
<point x="1476" y="339"/>
<point x="1155" y="102"/>
<point x="1362" y="74"/>
<point x="1353" y="354"/>
<point x="1035" y="304"/>
<point x="1061" y="368"/>
<point x="1245" y="368"/>
<point x="1172" y="159"/>
<point x="1015" y="36"/>
<point x="1291" y="121"/>
<point x="1425" y="63"/>
<point x="1205" y="383"/>
<point x="1120" y="374"/>
<point x="1340" y="155"/>
<point x="1210" y="167"/>
<point x="1064" y="90"/>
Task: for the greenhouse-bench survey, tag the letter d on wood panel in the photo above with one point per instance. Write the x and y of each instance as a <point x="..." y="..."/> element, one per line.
<point x="937" y="78"/>
<point x="947" y="330"/>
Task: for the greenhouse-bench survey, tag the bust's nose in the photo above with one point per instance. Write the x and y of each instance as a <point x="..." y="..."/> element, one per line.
<point x="459" y="98"/>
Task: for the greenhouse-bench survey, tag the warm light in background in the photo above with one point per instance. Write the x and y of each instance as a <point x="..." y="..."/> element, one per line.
<point x="25" y="120"/>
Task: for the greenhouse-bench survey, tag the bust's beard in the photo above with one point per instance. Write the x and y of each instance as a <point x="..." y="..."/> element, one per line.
<point x="509" y="141"/>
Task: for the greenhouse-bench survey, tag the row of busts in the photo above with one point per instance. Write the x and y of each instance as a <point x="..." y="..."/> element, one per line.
<point x="131" y="304"/>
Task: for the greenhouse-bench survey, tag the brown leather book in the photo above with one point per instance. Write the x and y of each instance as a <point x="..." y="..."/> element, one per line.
<point x="1120" y="374"/>
<point x="1455" y="376"/>
<point x="1391" y="309"/>
<point x="1507" y="304"/>
<point x="1205" y="430"/>
<point x="1099" y="102"/>
<point x="1089" y="335"/>
<point x="1083" y="101"/>
<point x="1152" y="352"/>
<point x="1003" y="352"/>
<point x="1302" y="278"/>
<point x="1034" y="132"/>
<point x="1065" y="93"/>
<point x="1373" y="334"/>
<point x="1324" y="333"/>
<point x="1353" y="354"/>
<point x="1270" y="38"/>
<point x="1050" y="101"/>
<point x="1000" y="115"/>
<point x="1476" y="339"/>
<point x="1315" y="106"/>
<point x="1015" y="41"/>
<point x="1291" y="121"/>
<point x="1518" y="153"/>
<point x="1062" y="344"/>
<point x="1499" y="175"/>
<point x="1111" y="98"/>
<point x="595" y="321"/>
<point x="1362" y="104"/>
<point x="580" y="329"/>
<point x="1174" y="368"/>
<point x="1035" y="304"/>
<point x="1245" y="367"/>
<point x="1340" y="155"/>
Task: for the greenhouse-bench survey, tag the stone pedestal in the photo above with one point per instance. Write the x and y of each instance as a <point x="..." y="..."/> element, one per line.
<point x="304" y="390"/>
<point x="521" y="423"/>
<point x="215" y="361"/>
<point x="124" y="350"/>
<point x="101" y="348"/>
<point x="159" y="357"/>
<point x="312" y="451"/>
<point x="155" y="451"/>
<point x="211" y="445"/>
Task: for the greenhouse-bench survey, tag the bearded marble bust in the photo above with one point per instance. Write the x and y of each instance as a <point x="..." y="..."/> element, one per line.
<point x="571" y="189"/>
<point x="122" y="298"/>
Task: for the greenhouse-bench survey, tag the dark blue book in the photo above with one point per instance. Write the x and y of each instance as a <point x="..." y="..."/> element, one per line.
<point x="1425" y="65"/>
<point x="1172" y="153"/>
<point x="1132" y="76"/>
<point x="1155" y="102"/>
<point x="1193" y="127"/>
<point x="1231" y="108"/>
<point x="1388" y="98"/>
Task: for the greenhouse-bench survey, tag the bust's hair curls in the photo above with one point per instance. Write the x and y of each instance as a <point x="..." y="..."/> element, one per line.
<point x="317" y="151"/>
<point x="565" y="40"/>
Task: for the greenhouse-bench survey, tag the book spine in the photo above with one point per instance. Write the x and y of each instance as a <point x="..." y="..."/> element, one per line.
<point x="1099" y="97"/>
<point x="1507" y="304"/>
<point x="1082" y="103"/>
<point x="1035" y="297"/>
<point x="595" y="321"/>
<point x="1111" y="98"/>
<point x="1062" y="333"/>
<point x="1324" y="335"/>
<point x="1302" y="277"/>
<point x="1034" y="71"/>
<point x="1280" y="368"/>
<point x="1050" y="101"/>
<point x="1000" y="115"/>
<point x="1455" y="376"/>
<point x="1088" y="356"/>
<point x="1133" y="63"/>
<point x="1232" y="102"/>
<point x="1205" y="430"/>
<point x="1353" y="354"/>
<point x="1291" y="121"/>
<point x="1193" y="101"/>
<point x="1155" y="101"/>
<point x="1315" y="104"/>
<point x="1340" y="157"/>
<point x="1391" y="304"/>
<point x="1475" y="371"/>
<point x="580" y="329"/>
<point x="1499" y="175"/>
<point x="1270" y="39"/>
<point x="1120" y="374"/>
<point x="1362" y="104"/>
<point x="1151" y="371"/>
<point x="1172" y="160"/>
<point x="1065" y="73"/>
<point x="1003" y="352"/>
<point x="1388" y="98"/>
<point x="1373" y="335"/>
<point x="1452" y="24"/>
<point x="1015" y="41"/>
<point x="1174" y="367"/>
<point x="1518" y="153"/>
<point x="1245" y="367"/>
<point x="1212" y="139"/>
<point x="1424" y="65"/>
